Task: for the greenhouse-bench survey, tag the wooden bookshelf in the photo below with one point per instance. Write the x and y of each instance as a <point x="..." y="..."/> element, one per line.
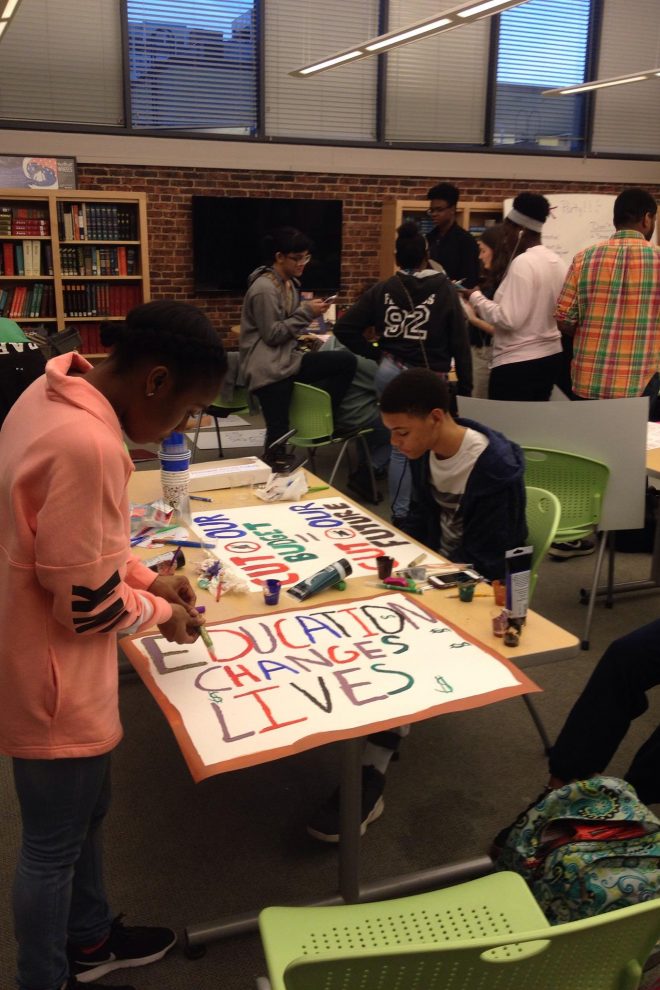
<point x="72" y="258"/>
<point x="472" y="216"/>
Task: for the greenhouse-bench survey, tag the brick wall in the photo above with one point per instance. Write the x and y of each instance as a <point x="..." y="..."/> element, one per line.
<point x="169" y="192"/>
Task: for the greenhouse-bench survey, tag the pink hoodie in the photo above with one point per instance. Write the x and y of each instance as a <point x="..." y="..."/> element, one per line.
<point x="68" y="582"/>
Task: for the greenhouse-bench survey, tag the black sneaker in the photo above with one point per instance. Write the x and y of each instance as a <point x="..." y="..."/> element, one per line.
<point x="325" y="823"/>
<point x="125" y="946"/>
<point x="574" y="548"/>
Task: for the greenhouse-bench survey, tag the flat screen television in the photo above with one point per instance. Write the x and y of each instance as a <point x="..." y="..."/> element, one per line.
<point x="228" y="232"/>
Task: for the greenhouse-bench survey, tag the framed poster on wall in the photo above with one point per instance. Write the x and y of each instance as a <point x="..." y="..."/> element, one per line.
<point x="37" y="172"/>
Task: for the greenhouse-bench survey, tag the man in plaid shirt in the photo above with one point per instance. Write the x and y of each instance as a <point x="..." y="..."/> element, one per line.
<point x="610" y="305"/>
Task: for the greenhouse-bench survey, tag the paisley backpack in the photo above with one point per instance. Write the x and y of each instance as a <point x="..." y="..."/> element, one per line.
<point x="586" y="848"/>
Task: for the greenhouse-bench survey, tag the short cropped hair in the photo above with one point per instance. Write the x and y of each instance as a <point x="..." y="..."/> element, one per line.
<point x="632" y="205"/>
<point x="415" y="392"/>
<point x="445" y="190"/>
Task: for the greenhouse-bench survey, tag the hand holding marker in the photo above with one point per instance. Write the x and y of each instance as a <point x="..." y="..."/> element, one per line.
<point x="205" y="637"/>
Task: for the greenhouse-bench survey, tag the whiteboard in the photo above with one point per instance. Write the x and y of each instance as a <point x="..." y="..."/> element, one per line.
<point x="576" y="220"/>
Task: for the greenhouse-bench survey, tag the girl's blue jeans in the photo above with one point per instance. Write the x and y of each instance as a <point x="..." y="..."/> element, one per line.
<point x="58" y="886"/>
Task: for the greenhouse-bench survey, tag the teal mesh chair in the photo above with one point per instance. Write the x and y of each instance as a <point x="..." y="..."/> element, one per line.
<point x="310" y="415"/>
<point x="579" y="483"/>
<point x="542" y="512"/>
<point x="488" y="934"/>
<point x="220" y="409"/>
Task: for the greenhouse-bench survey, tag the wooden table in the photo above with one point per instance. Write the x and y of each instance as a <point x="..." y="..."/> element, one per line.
<point x="542" y="641"/>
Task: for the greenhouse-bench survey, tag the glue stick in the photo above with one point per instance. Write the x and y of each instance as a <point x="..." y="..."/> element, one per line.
<point x="329" y="576"/>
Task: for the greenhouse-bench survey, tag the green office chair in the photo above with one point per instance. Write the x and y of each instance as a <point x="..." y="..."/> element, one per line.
<point x="221" y="409"/>
<point x="579" y="483"/>
<point x="542" y="511"/>
<point x="310" y="415"/>
<point x="488" y="934"/>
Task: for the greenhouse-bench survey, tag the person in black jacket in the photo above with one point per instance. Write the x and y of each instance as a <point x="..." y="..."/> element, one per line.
<point x="420" y="323"/>
<point x="468" y="503"/>
<point x="449" y="244"/>
<point x="468" y="488"/>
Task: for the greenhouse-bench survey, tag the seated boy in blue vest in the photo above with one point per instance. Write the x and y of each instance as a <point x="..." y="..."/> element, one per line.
<point x="468" y="504"/>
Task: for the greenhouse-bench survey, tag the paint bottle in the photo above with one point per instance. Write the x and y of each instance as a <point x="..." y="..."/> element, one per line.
<point x="329" y="576"/>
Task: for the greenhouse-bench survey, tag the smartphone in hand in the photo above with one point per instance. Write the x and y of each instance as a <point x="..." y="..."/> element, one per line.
<point x="330" y="299"/>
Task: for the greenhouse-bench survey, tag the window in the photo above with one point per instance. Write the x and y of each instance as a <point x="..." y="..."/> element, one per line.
<point x="625" y="116"/>
<point x="193" y="65"/>
<point x="436" y="89"/>
<point x="338" y="106"/>
<point x="62" y="63"/>
<point x="542" y="44"/>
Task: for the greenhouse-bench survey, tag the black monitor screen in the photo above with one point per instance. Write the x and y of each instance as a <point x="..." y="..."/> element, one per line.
<point x="228" y="233"/>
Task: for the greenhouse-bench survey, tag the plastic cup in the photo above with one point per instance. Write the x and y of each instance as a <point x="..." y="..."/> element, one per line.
<point x="174" y="462"/>
<point x="466" y="591"/>
<point x="272" y="591"/>
<point x="174" y="485"/>
<point x="499" y="590"/>
<point x="384" y="565"/>
<point x="499" y="618"/>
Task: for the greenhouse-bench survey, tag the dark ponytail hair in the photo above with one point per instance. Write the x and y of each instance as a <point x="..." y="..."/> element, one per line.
<point x="411" y="248"/>
<point x="286" y="240"/>
<point x="171" y="333"/>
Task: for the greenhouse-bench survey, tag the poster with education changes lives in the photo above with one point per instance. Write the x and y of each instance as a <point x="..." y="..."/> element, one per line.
<point x="288" y="681"/>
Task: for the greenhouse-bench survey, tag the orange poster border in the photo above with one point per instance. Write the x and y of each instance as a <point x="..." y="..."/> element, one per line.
<point x="201" y="771"/>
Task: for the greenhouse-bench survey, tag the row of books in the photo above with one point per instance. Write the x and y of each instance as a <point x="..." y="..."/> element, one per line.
<point x="90" y="260"/>
<point x="94" y="299"/>
<point x="26" y="258"/>
<point x="90" y="336"/>
<point x="91" y="222"/>
<point x="21" y="220"/>
<point x="23" y="301"/>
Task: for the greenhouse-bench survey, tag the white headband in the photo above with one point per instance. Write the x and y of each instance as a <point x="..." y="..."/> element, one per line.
<point x="515" y="216"/>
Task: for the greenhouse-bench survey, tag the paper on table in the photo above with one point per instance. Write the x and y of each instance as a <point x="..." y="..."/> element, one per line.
<point x="243" y="438"/>
<point x="652" y="436"/>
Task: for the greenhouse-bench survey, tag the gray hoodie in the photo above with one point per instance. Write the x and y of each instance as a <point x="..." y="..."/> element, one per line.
<point x="270" y="326"/>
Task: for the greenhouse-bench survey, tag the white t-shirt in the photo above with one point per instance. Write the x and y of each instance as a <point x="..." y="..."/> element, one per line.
<point x="522" y="310"/>
<point x="449" y="477"/>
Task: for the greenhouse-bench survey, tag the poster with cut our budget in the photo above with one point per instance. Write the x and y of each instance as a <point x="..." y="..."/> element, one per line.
<point x="290" y="541"/>
<point x="291" y="680"/>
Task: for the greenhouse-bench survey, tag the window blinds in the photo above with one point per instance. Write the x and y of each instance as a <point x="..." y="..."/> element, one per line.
<point x="542" y="44"/>
<point x="625" y="119"/>
<point x="436" y="89"/>
<point x="193" y="65"/>
<point x="61" y="62"/>
<point x="339" y="105"/>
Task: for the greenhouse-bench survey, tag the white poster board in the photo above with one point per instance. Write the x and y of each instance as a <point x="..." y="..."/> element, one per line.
<point x="288" y="681"/>
<point x="293" y="540"/>
<point x="609" y="430"/>
<point x="576" y="220"/>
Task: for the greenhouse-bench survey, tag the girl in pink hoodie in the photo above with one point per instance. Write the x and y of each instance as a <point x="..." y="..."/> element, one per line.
<point x="68" y="585"/>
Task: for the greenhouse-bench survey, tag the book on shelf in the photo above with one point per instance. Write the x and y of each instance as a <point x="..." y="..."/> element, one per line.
<point x="8" y="258"/>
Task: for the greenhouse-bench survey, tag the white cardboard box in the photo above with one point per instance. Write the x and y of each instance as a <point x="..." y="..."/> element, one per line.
<point x="227" y="473"/>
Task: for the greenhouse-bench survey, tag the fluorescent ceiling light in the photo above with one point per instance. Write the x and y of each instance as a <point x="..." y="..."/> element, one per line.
<point x="443" y="21"/>
<point x="10" y="7"/>
<point x="335" y="60"/>
<point x="3" y="25"/>
<point x="603" y="83"/>
<point x="398" y="39"/>
<point x="482" y="8"/>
